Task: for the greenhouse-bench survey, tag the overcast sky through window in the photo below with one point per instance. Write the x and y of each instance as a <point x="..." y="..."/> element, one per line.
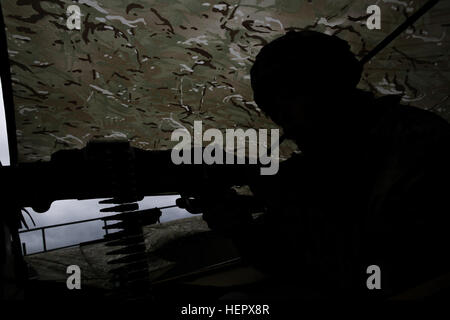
<point x="74" y="210"/>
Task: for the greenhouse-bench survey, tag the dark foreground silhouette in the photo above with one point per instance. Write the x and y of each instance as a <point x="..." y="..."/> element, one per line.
<point x="371" y="186"/>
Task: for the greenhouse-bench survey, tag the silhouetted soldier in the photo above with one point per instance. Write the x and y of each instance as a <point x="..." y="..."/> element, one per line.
<point x="371" y="186"/>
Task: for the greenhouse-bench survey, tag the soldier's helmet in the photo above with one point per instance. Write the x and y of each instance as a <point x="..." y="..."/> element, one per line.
<point x="304" y="63"/>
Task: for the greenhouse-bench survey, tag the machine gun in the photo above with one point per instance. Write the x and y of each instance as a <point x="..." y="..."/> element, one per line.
<point x="114" y="169"/>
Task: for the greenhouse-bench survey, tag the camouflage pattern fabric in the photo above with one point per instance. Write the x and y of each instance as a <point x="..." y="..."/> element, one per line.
<point x="140" y="69"/>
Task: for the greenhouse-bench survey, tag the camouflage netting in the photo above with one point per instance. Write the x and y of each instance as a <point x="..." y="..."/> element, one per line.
<point x="140" y="69"/>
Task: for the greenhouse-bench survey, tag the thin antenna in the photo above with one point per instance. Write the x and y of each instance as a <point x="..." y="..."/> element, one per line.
<point x="410" y="21"/>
